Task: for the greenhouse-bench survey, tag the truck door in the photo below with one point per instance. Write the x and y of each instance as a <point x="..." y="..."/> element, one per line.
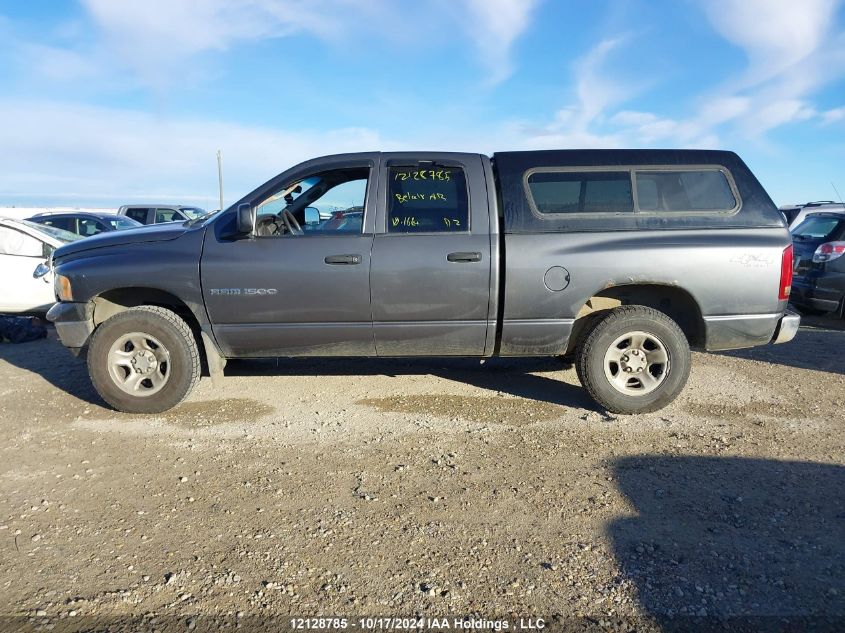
<point x="301" y="285"/>
<point x="431" y="263"/>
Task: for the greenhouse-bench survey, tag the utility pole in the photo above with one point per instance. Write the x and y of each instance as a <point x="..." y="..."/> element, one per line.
<point x="220" y="175"/>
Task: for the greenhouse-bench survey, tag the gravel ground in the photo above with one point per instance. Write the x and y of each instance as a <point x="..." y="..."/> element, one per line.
<point x="304" y="487"/>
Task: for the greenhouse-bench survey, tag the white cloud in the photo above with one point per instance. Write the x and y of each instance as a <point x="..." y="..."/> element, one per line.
<point x="773" y="114"/>
<point x="792" y="52"/>
<point x="161" y="28"/>
<point x="494" y="26"/>
<point x="633" y="118"/>
<point x="57" y="64"/>
<point x="157" y="38"/>
<point x="834" y="115"/>
<point x="775" y="34"/>
<point x="83" y="153"/>
<point x="596" y="90"/>
<point x="593" y="120"/>
<point x="717" y="110"/>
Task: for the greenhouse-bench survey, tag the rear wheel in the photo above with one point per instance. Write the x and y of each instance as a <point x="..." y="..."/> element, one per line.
<point x="633" y="360"/>
<point x="144" y="360"/>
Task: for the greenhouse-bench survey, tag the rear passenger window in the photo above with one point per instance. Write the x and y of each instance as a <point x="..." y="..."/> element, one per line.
<point x="427" y="199"/>
<point x="89" y="227"/>
<point x="167" y="215"/>
<point x="140" y="215"/>
<point x="554" y="192"/>
<point x="66" y="224"/>
<point x="693" y="190"/>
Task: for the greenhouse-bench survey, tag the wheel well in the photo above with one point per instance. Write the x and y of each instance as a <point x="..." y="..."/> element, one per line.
<point x="676" y="303"/>
<point x="112" y="302"/>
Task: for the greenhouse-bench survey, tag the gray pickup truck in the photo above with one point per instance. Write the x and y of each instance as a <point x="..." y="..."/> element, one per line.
<point x="619" y="259"/>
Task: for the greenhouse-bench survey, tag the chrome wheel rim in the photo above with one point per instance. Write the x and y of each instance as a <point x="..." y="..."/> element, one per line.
<point x="139" y="364"/>
<point x="636" y="363"/>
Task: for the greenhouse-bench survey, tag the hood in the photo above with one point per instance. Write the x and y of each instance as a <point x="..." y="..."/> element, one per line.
<point x="151" y="233"/>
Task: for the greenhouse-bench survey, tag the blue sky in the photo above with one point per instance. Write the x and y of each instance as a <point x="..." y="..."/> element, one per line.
<point x="108" y="102"/>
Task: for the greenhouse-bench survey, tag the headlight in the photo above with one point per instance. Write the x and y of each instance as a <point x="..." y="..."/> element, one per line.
<point x="62" y="288"/>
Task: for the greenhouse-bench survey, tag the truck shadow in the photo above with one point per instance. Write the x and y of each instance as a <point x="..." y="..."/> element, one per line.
<point x="752" y="539"/>
<point x="52" y="362"/>
<point x="517" y="377"/>
<point x="816" y="346"/>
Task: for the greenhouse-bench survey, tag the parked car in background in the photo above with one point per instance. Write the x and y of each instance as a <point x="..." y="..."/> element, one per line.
<point x="24" y="247"/>
<point x="160" y="213"/>
<point x="819" y="263"/>
<point x="86" y="223"/>
<point x="795" y="214"/>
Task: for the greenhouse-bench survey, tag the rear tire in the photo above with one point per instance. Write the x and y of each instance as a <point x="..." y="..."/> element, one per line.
<point x="633" y="360"/>
<point x="144" y="360"/>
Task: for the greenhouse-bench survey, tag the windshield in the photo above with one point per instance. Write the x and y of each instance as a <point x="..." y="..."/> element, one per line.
<point x="192" y="213"/>
<point x="118" y="223"/>
<point x="52" y="231"/>
<point x="818" y="227"/>
<point x="207" y="216"/>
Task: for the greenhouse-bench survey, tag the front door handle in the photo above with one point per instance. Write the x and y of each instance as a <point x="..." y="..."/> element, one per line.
<point x="464" y="257"/>
<point x="343" y="259"/>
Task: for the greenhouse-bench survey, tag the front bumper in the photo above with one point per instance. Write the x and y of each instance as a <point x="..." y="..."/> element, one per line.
<point x="787" y="327"/>
<point x="74" y="323"/>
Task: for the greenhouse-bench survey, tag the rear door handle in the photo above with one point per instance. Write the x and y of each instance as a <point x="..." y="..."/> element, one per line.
<point x="343" y="259"/>
<point x="464" y="257"/>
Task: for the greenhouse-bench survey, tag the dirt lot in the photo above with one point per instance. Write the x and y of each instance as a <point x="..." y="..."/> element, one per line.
<point x="437" y="487"/>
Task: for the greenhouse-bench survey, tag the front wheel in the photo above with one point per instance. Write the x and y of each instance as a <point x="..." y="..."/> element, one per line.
<point x="634" y="360"/>
<point x="144" y="360"/>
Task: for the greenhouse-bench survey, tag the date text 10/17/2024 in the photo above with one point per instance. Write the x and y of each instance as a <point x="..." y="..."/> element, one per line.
<point x="416" y="623"/>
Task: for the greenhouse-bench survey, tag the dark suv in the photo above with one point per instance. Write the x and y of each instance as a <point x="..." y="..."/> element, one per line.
<point x="819" y="265"/>
<point x="85" y="223"/>
<point x="160" y="213"/>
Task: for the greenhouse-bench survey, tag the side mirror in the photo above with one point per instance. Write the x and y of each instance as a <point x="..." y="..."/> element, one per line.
<point x="312" y="215"/>
<point x="41" y="270"/>
<point x="246" y="219"/>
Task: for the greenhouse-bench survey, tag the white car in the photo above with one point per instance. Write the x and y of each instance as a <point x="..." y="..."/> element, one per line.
<point x="24" y="246"/>
<point x="796" y="214"/>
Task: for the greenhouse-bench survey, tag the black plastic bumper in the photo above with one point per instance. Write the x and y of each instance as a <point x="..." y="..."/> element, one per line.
<point x="74" y="323"/>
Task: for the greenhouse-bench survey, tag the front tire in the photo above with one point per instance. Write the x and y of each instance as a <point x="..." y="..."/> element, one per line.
<point x="633" y="360"/>
<point x="144" y="360"/>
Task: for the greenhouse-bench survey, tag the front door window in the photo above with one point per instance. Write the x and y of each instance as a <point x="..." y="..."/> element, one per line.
<point x="330" y="202"/>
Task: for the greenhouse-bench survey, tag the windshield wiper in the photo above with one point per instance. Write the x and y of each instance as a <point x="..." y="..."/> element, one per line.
<point x="199" y="218"/>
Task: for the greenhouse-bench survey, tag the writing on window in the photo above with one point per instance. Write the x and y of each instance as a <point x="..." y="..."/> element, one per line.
<point x="427" y="199"/>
